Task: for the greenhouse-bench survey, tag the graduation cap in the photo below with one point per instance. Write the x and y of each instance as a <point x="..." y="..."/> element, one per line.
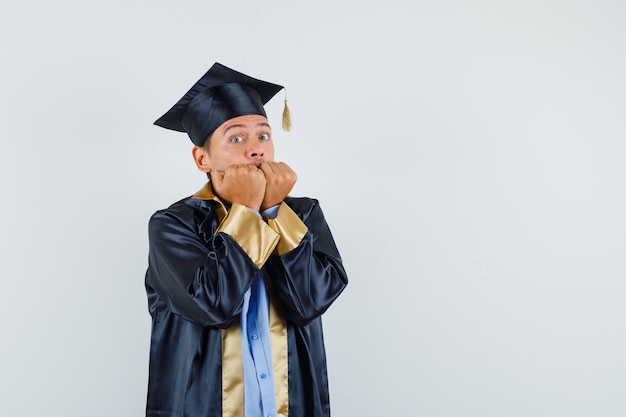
<point x="221" y="94"/>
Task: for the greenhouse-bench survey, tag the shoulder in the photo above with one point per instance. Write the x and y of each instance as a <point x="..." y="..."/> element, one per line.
<point x="179" y="208"/>
<point x="301" y="204"/>
<point x="308" y="209"/>
<point x="187" y="211"/>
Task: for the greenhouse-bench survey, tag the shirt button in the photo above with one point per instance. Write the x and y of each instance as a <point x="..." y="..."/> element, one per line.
<point x="255" y="337"/>
<point x="263" y="376"/>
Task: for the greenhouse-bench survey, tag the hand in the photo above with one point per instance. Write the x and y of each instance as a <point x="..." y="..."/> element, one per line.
<point x="241" y="184"/>
<point x="280" y="179"/>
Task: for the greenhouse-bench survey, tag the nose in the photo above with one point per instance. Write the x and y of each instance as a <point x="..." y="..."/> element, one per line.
<point x="255" y="149"/>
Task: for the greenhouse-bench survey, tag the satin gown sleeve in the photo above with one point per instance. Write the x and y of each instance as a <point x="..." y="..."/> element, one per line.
<point x="309" y="277"/>
<point x="200" y="272"/>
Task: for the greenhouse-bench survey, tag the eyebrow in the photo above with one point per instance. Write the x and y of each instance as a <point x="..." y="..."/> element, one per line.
<point x="262" y="124"/>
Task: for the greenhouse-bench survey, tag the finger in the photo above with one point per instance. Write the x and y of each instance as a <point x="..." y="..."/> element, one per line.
<point x="267" y="169"/>
<point x="282" y="167"/>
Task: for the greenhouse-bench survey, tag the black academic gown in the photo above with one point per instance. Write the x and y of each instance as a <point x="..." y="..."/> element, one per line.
<point x="196" y="280"/>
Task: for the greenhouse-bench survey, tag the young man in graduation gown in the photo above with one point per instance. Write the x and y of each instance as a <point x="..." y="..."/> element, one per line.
<point x="240" y="273"/>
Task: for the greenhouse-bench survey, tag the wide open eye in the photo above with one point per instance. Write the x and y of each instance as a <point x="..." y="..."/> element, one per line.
<point x="264" y="136"/>
<point x="236" y="139"/>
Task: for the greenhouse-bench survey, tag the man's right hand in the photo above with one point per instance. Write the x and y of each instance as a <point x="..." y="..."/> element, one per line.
<point x="241" y="184"/>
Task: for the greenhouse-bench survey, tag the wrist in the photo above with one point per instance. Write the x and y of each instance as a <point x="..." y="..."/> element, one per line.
<point x="268" y="205"/>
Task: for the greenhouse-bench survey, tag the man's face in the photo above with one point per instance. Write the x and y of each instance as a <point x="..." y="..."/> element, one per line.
<point x="240" y="140"/>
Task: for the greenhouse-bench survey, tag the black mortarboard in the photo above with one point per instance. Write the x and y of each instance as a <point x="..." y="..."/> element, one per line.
<point x="221" y="94"/>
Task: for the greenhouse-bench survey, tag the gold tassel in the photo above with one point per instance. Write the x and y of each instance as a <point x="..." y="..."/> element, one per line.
<point x="286" y="116"/>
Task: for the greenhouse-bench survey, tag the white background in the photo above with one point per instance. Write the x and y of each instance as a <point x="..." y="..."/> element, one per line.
<point x="469" y="157"/>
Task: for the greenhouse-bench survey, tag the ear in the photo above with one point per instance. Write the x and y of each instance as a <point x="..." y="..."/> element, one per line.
<point x="201" y="157"/>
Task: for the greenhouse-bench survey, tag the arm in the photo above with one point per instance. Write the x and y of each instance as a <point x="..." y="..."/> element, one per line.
<point x="202" y="271"/>
<point x="307" y="273"/>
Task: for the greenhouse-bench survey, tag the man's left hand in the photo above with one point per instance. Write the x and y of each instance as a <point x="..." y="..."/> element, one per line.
<point x="280" y="179"/>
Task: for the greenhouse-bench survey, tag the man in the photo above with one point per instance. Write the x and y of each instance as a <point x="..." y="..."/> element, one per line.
<point x="240" y="273"/>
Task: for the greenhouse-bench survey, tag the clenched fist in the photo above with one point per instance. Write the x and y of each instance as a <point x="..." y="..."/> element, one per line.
<point x="279" y="180"/>
<point x="242" y="184"/>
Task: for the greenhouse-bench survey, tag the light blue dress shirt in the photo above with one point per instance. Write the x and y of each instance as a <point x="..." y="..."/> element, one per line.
<point x="259" y="394"/>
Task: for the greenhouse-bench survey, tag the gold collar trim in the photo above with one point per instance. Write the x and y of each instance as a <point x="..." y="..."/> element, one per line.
<point x="206" y="193"/>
